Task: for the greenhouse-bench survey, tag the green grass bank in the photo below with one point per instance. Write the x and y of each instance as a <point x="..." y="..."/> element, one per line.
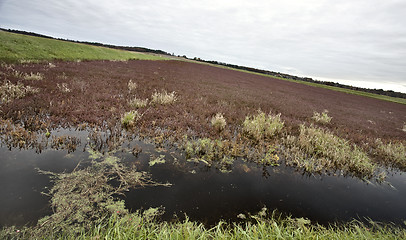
<point x="137" y="226"/>
<point x="15" y="48"/>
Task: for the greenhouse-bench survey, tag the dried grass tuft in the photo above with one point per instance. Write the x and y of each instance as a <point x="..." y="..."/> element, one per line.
<point x="163" y="97"/>
<point x="322" y="117"/>
<point x="218" y="122"/>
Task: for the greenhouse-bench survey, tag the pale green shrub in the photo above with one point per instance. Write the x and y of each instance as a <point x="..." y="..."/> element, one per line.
<point x="393" y="152"/>
<point x="321" y="118"/>
<point x="138" y="103"/>
<point x="218" y="122"/>
<point x="163" y="97"/>
<point x="129" y="118"/>
<point x="334" y="152"/>
<point x="33" y="76"/>
<point x="131" y="85"/>
<point x="28" y="76"/>
<point x="63" y="87"/>
<point x="262" y="126"/>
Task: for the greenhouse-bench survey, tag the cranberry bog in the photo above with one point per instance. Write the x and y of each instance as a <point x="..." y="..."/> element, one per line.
<point x="206" y="142"/>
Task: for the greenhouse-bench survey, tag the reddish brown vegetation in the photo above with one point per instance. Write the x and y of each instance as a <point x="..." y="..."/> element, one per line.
<point x="99" y="95"/>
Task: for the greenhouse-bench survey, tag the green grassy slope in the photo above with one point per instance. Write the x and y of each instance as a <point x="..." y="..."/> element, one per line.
<point x="17" y="48"/>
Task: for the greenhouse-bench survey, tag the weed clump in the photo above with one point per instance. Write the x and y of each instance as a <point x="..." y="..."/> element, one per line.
<point x="138" y="103"/>
<point x="210" y="152"/>
<point x="393" y="152"/>
<point x="33" y="76"/>
<point x="63" y="87"/>
<point x="270" y="158"/>
<point x="83" y="196"/>
<point x="163" y="97"/>
<point x="129" y="118"/>
<point x="316" y="149"/>
<point x="218" y="122"/>
<point x="322" y="117"/>
<point x="10" y="91"/>
<point x="131" y="85"/>
<point x="262" y="126"/>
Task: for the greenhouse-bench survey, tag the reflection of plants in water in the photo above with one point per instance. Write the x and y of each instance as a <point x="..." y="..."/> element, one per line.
<point x="209" y="152"/>
<point x="14" y="135"/>
<point x="222" y="153"/>
<point x="91" y="194"/>
<point x="65" y="142"/>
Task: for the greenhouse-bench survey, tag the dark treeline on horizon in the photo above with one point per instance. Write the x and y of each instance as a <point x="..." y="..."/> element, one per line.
<point x="267" y="72"/>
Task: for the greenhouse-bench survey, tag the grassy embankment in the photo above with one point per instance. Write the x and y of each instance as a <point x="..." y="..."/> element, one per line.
<point x="16" y="48"/>
<point x="139" y="226"/>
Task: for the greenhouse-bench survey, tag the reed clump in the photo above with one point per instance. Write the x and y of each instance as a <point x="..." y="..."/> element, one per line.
<point x="218" y="122"/>
<point x="130" y="118"/>
<point x="262" y="126"/>
<point x="317" y="150"/>
<point x="138" y="103"/>
<point x="33" y="76"/>
<point x="395" y="153"/>
<point x="163" y="97"/>
<point x="323" y="117"/>
<point x="132" y="85"/>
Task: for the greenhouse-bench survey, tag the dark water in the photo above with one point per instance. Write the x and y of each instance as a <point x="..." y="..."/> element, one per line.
<point x="205" y="194"/>
<point x="209" y="195"/>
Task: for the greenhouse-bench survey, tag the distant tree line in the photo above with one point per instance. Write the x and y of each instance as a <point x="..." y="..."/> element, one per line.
<point x="271" y="73"/>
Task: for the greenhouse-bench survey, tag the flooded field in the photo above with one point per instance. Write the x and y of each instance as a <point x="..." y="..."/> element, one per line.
<point x="203" y="193"/>
<point x="151" y="145"/>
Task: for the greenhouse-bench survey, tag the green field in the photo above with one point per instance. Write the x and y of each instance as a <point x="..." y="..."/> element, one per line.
<point x="19" y="48"/>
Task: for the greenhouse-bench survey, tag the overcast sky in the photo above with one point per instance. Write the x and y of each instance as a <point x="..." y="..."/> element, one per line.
<point x="358" y="42"/>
